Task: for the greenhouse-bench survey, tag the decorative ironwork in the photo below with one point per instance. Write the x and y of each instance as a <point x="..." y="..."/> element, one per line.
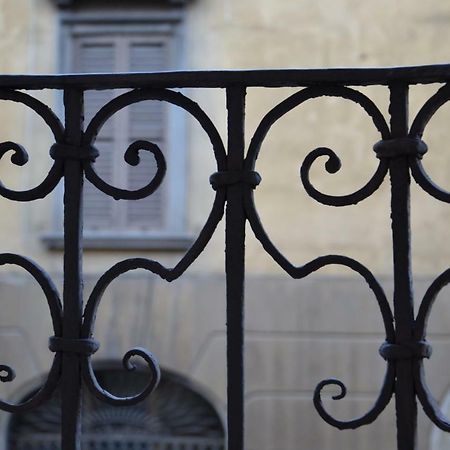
<point x="399" y="151"/>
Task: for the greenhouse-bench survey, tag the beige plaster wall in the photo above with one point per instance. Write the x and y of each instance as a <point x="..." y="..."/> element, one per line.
<point x="255" y="35"/>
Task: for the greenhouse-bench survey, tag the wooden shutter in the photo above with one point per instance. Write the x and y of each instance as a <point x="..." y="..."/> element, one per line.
<point x="145" y="120"/>
<point x="98" y="55"/>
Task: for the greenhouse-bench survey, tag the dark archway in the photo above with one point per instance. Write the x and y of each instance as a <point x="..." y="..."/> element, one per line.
<point x="174" y="417"/>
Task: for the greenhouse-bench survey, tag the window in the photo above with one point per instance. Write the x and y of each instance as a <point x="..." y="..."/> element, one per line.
<point x="130" y="41"/>
<point x="174" y="417"/>
<point x="145" y="120"/>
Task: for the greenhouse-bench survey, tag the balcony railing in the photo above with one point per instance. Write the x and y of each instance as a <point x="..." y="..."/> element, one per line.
<point x="399" y="150"/>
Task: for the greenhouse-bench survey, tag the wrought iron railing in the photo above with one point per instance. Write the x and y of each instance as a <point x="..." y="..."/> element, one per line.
<point x="399" y="150"/>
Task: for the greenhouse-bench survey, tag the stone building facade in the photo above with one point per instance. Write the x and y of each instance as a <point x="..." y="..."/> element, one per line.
<point x="297" y="332"/>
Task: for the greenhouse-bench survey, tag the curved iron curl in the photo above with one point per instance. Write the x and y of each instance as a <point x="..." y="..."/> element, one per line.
<point x="20" y="155"/>
<point x="155" y="267"/>
<point x="426" y="398"/>
<point x="333" y="164"/>
<point x="131" y="155"/>
<point x="165" y="273"/>
<point x="424" y="394"/>
<point x="422" y="119"/>
<point x="55" y="308"/>
<point x="380" y="404"/>
<point x="427" y="303"/>
<point x="102" y="394"/>
<point x="298" y="272"/>
<point x="87" y="330"/>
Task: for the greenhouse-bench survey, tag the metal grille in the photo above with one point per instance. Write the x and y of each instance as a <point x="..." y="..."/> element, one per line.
<point x="399" y="151"/>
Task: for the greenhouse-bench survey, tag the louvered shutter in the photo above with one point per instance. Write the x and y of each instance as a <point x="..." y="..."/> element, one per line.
<point x="98" y="55"/>
<point x="146" y="121"/>
<point x="141" y="121"/>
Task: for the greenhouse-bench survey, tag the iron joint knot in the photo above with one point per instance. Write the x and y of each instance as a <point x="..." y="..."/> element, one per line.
<point x="227" y="178"/>
<point x="81" y="346"/>
<point x="398" y="147"/>
<point x="407" y="350"/>
<point x="80" y="153"/>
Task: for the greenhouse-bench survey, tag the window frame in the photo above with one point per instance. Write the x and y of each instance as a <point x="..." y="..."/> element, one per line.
<point x="156" y="21"/>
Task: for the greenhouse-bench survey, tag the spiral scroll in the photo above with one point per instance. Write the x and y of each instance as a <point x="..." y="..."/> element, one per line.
<point x="131" y="155"/>
<point x="54" y="304"/>
<point x="87" y="331"/>
<point x="102" y="394"/>
<point x="85" y="346"/>
<point x="424" y="394"/>
<point x="333" y="164"/>
<point x="20" y="155"/>
<point x="426" y="398"/>
<point x="425" y="114"/>
<point x="298" y="272"/>
<point x="380" y="404"/>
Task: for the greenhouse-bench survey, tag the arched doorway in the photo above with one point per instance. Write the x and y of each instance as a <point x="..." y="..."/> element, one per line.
<point x="174" y="417"/>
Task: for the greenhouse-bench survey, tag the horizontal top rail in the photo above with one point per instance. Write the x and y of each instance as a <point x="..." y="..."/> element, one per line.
<point x="221" y="79"/>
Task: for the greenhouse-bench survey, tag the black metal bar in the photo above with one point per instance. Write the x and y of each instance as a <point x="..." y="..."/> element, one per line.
<point x="234" y="266"/>
<point x="72" y="294"/>
<point x="405" y="401"/>
<point x="216" y="79"/>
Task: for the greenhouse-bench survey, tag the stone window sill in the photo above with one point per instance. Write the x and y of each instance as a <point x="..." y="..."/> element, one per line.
<point x="124" y="241"/>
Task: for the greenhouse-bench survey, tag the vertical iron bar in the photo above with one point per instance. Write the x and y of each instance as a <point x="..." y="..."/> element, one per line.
<point x="405" y="400"/>
<point x="72" y="293"/>
<point x="234" y="266"/>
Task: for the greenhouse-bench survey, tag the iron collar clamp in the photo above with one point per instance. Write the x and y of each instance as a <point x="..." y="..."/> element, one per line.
<point x="80" y="346"/>
<point x="407" y="350"/>
<point x="230" y="177"/>
<point x="79" y="153"/>
<point x="406" y="146"/>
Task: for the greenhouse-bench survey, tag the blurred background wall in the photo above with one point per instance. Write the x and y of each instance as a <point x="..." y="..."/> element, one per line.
<point x="297" y="332"/>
